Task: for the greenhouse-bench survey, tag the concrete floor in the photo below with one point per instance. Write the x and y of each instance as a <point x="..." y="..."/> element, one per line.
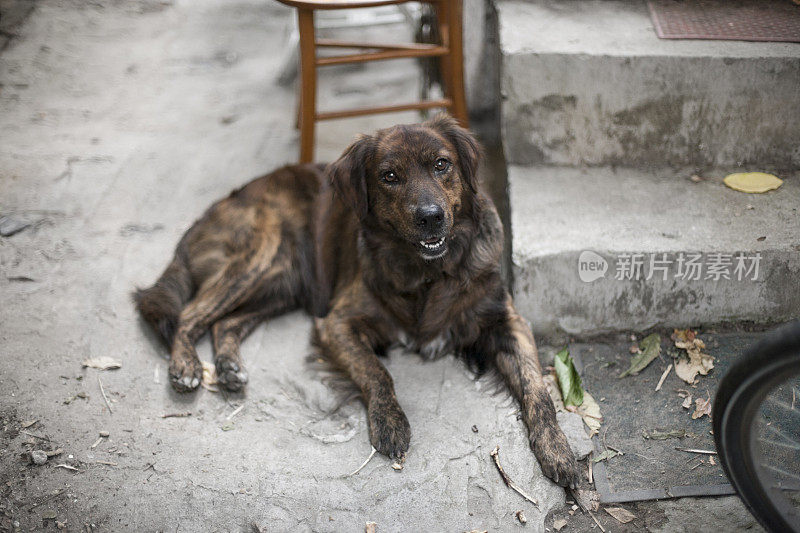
<point x="119" y="123"/>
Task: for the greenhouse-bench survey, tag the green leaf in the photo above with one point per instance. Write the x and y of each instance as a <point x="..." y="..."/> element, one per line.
<point x="568" y="379"/>
<point x="650" y="348"/>
<point x="605" y="455"/>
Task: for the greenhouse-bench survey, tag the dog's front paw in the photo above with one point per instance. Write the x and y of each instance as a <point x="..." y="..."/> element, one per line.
<point x="185" y="373"/>
<point x="389" y="430"/>
<point x="231" y="374"/>
<point x="551" y="448"/>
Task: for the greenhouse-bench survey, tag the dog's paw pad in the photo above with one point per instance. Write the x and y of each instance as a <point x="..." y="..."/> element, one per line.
<point x="231" y="374"/>
<point x="185" y="376"/>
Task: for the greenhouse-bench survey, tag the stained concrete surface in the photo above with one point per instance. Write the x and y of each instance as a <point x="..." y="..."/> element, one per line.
<point x="119" y="123"/>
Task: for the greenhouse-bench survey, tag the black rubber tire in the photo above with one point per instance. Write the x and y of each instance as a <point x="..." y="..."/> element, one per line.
<point x="741" y="391"/>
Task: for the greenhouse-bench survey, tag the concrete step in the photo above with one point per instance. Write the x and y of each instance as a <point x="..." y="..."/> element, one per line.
<point x="577" y="232"/>
<point x="588" y="82"/>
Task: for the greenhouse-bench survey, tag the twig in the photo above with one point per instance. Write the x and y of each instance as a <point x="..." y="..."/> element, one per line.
<point x="107" y="463"/>
<point x="591" y="473"/>
<point x="698" y="464"/>
<point x="510" y="484"/>
<point x="663" y="377"/>
<point x="575" y="497"/>
<point x="67" y="467"/>
<point x="236" y="411"/>
<point x="176" y="415"/>
<point x="97" y="442"/>
<point x="35" y="436"/>
<point x="357" y="470"/>
<point x="691" y="450"/>
<point x="46" y="499"/>
<point x="103" y="392"/>
<point x="596" y="521"/>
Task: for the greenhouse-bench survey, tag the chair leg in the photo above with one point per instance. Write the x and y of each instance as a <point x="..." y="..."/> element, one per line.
<point x="308" y="83"/>
<point x="450" y="19"/>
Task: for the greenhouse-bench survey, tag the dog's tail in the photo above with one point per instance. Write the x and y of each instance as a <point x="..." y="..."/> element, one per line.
<point x="161" y="304"/>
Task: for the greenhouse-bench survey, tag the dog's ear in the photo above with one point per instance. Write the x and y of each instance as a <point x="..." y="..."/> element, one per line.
<point x="348" y="175"/>
<point x="467" y="147"/>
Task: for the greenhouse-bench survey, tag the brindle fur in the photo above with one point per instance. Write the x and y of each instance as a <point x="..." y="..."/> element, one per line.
<point x="345" y="244"/>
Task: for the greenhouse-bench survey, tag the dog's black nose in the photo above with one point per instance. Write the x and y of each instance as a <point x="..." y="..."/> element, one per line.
<point x="430" y="217"/>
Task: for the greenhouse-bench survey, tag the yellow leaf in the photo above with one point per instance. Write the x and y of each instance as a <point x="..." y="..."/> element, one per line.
<point x="754" y="182"/>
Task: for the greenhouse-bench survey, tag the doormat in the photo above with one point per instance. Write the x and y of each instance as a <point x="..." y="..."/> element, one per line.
<point x="652" y="429"/>
<point x="731" y="20"/>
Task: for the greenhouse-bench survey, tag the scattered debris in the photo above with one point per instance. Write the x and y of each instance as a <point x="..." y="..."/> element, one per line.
<point x="559" y="524"/>
<point x="687" y="398"/>
<point x="589" y="500"/>
<point x="34" y="435"/>
<point x="398" y="465"/>
<point x="752" y="182"/>
<point x="96" y="443"/>
<point x="227" y="426"/>
<point x="38" y="457"/>
<point x="474" y="429"/>
<point x="236" y="411"/>
<point x="605" y="455"/>
<point x="650" y="348"/>
<point x="357" y="470"/>
<point x="696" y="179"/>
<point x="67" y="467"/>
<point x="623" y="516"/>
<point x="27" y="424"/>
<point x="510" y="484"/>
<point x="692" y="450"/>
<point x="521" y="517"/>
<point x="663" y="377"/>
<point x="698" y="362"/>
<point x="20" y="279"/>
<point x="370" y="527"/>
<point x="209" y="381"/>
<point x="49" y="514"/>
<point x="711" y="461"/>
<point x="103" y="433"/>
<point x="103" y="392"/>
<point x="176" y="415"/>
<point x="107" y="463"/>
<point x="82" y="395"/>
<point x="102" y="363"/>
<point x="590" y="412"/>
<point x="656" y="434"/>
<point x="568" y="379"/>
<point x="702" y="407"/>
<point x="130" y="229"/>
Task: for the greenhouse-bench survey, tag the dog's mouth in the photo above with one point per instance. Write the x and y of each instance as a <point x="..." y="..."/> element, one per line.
<point x="433" y="248"/>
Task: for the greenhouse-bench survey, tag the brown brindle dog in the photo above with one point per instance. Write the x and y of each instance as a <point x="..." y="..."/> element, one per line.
<point x="393" y="243"/>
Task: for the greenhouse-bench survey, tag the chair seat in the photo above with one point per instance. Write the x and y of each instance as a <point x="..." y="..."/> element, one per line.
<point x="340" y="4"/>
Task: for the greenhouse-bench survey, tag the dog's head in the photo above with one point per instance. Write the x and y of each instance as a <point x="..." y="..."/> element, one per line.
<point x="411" y="181"/>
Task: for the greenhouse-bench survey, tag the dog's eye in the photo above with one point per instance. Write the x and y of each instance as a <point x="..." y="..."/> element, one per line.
<point x="389" y="177"/>
<point x="441" y="165"/>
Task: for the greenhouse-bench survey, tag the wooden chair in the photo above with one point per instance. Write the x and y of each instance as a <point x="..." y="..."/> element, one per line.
<point x="449" y="50"/>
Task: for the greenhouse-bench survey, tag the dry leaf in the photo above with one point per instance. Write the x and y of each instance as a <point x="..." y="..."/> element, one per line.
<point x="555" y="393"/>
<point x="559" y="524"/>
<point x="752" y="182"/>
<point x="650" y="348"/>
<point x="687" y="402"/>
<point x="623" y="516"/>
<point x="634" y="348"/>
<point x="209" y="377"/>
<point x="711" y="460"/>
<point x="703" y="407"/>
<point x="590" y="412"/>
<point x="102" y="363"/>
<point x="698" y="362"/>
<point x="605" y="455"/>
